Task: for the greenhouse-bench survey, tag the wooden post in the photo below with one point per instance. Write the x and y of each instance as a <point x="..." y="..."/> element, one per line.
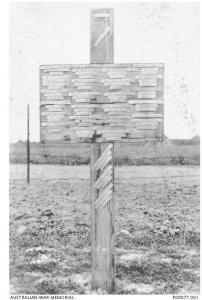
<point x="102" y="169"/>
<point x="28" y="147"/>
<point x="102" y="217"/>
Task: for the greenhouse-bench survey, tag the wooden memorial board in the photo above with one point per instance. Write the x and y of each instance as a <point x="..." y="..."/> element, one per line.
<point x="101" y="103"/>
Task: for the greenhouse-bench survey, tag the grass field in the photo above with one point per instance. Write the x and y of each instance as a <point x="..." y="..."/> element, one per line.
<point x="170" y="152"/>
<point x="157" y="230"/>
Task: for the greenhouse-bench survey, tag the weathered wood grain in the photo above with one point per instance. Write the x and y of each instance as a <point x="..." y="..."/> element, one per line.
<point x="111" y="96"/>
<point x="102" y="36"/>
<point x="102" y="217"/>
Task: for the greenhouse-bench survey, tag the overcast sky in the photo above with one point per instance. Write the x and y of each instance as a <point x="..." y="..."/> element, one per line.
<point x="51" y="33"/>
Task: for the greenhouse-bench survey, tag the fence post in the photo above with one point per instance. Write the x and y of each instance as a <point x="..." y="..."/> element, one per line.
<point x="28" y="147"/>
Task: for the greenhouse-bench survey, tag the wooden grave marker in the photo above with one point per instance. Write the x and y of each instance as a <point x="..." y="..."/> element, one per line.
<point x="102" y="103"/>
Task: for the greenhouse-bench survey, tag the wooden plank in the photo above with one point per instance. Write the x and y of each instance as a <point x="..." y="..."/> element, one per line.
<point x="146" y="71"/>
<point x="73" y="139"/>
<point x="107" y="193"/>
<point x="147" y="107"/>
<point x="105" y="177"/>
<point x="145" y="101"/>
<point x="98" y="164"/>
<point x="102" y="39"/>
<point x="68" y="67"/>
<point x="146" y="95"/>
<point x="147" y="82"/>
<point x="147" y="115"/>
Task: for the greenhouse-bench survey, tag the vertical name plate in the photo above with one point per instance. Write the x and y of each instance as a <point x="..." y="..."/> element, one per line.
<point x="102" y="36"/>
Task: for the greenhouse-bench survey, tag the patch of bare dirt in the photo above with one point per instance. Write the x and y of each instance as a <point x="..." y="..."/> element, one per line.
<point x="157" y="231"/>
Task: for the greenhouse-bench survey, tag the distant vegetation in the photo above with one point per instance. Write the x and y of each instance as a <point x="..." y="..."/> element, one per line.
<point x="170" y="152"/>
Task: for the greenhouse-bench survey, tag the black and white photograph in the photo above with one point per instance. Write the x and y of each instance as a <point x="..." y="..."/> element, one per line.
<point x="104" y="149"/>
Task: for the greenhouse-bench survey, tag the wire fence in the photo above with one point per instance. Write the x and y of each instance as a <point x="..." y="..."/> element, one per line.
<point x="125" y="155"/>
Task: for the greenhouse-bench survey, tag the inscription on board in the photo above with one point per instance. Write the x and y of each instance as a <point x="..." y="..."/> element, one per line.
<point x="102" y="33"/>
<point x="101" y="103"/>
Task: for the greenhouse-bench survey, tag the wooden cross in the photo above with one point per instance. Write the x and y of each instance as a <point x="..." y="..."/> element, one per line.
<point x="102" y="103"/>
